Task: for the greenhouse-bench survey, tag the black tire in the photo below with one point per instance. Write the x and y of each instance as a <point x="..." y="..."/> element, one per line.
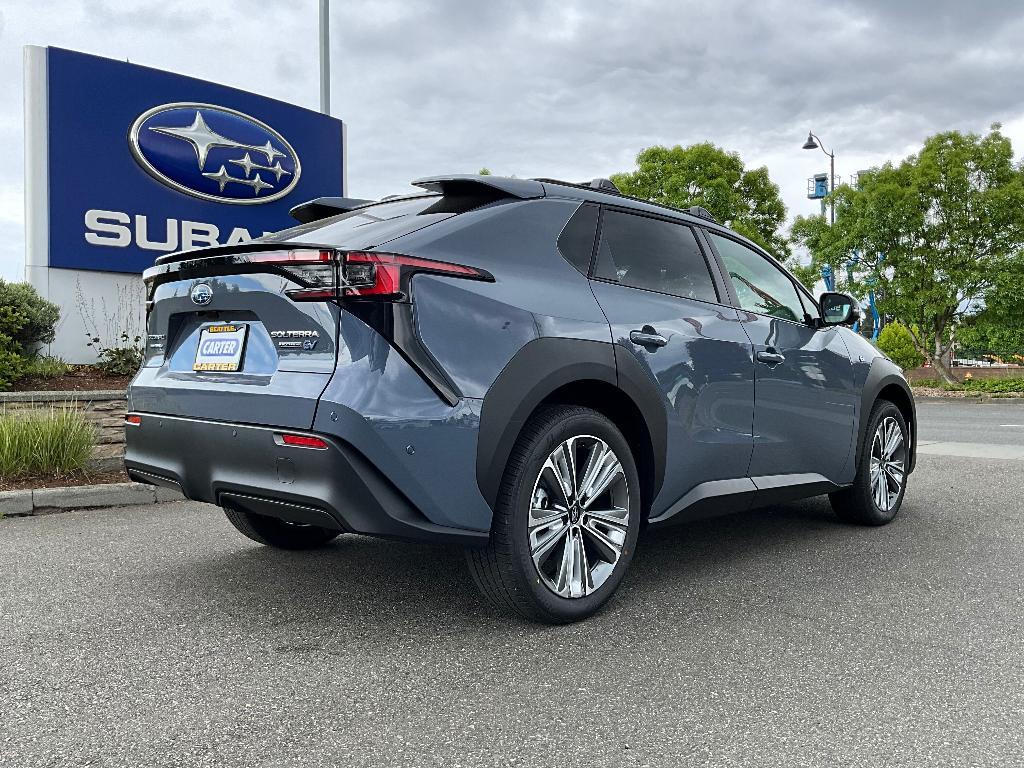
<point x="278" y="533"/>
<point x="858" y="504"/>
<point x="504" y="570"/>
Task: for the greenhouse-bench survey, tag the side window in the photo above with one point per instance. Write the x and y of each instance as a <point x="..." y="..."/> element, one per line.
<point x="760" y="286"/>
<point x="657" y="255"/>
<point x="576" y="243"/>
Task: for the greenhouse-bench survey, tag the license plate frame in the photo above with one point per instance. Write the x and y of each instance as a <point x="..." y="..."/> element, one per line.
<point x="228" y="356"/>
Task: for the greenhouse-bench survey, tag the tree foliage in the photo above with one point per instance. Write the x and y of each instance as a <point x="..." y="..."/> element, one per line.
<point x="998" y="328"/>
<point x="702" y="174"/>
<point x="945" y="223"/>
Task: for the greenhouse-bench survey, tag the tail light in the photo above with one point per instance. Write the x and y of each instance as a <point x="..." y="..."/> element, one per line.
<point x="357" y="275"/>
<point x="321" y="274"/>
<point x="385" y="276"/>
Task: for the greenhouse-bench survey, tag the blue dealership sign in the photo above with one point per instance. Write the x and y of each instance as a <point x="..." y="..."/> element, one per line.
<point x="142" y="162"/>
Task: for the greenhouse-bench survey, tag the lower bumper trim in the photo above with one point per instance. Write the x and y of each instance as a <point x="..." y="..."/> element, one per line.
<point x="243" y="466"/>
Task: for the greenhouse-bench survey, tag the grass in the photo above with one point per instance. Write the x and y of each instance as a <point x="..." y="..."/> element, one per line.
<point x="44" y="442"/>
<point x="45" y="367"/>
<point x="1002" y="386"/>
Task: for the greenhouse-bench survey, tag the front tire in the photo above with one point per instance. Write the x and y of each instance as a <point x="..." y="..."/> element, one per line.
<point x="566" y="519"/>
<point x="877" y="491"/>
<point x="278" y="533"/>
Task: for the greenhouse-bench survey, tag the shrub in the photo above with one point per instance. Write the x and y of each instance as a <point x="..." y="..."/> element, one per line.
<point x="12" y="363"/>
<point x="26" y="318"/>
<point x="1009" y="384"/>
<point x="44" y="442"/>
<point x="896" y="342"/>
<point x="124" y="359"/>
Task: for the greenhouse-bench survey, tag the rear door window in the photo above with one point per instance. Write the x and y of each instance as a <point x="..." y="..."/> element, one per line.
<point x="653" y="254"/>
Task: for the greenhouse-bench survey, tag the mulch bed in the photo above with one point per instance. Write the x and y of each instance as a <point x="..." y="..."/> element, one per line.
<point x="78" y="380"/>
<point x="67" y="479"/>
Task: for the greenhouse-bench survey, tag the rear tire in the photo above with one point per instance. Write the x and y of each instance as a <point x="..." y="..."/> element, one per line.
<point x="877" y="491"/>
<point x="556" y="556"/>
<point x="278" y="533"/>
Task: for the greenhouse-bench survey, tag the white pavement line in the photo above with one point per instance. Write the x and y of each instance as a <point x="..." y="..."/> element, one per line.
<point x="971" y="450"/>
<point x="1011" y="425"/>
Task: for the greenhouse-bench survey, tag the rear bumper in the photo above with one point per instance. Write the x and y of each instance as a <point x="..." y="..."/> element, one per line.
<point x="243" y="466"/>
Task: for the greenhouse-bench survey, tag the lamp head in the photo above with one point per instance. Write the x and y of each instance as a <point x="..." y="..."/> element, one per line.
<point x="810" y="143"/>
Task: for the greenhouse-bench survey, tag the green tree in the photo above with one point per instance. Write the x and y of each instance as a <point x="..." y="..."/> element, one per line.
<point x="485" y="171"/>
<point x="896" y="341"/>
<point x="947" y="223"/>
<point x="998" y="328"/>
<point x="702" y="174"/>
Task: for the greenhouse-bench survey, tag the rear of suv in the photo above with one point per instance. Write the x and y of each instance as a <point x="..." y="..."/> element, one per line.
<point x="533" y="369"/>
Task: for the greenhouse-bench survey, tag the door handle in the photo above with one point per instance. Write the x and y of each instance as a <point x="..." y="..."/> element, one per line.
<point x="647" y="337"/>
<point x="770" y="358"/>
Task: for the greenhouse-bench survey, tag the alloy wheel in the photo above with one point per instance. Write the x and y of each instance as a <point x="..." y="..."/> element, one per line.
<point x="579" y="516"/>
<point x="888" y="460"/>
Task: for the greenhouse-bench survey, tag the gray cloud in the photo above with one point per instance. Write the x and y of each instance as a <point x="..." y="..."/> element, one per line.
<point x="568" y="88"/>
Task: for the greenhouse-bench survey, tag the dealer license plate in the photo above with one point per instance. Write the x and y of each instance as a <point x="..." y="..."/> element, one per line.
<point x="221" y="348"/>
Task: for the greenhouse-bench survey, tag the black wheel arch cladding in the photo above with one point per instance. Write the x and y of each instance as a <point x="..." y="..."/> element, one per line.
<point x="540" y="369"/>
<point x="885" y="380"/>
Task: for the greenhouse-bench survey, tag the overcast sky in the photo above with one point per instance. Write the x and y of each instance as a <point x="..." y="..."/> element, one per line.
<point x="567" y="89"/>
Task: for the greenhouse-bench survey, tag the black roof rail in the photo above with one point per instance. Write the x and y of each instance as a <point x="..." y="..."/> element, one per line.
<point x="322" y="207"/>
<point x="601" y="185"/>
<point x="701" y="213"/>
<point x="472" y="184"/>
<point x="605" y="185"/>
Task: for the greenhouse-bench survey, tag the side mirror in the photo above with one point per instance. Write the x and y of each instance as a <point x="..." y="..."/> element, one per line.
<point x="838" y="309"/>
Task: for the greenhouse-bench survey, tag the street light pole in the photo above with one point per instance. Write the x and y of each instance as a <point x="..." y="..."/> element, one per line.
<point x="325" y="56"/>
<point x="813" y="142"/>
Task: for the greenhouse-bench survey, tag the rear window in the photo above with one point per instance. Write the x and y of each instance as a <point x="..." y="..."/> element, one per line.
<point x="346" y="227"/>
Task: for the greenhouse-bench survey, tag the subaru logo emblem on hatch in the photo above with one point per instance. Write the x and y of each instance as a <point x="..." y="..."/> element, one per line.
<point x="201" y="294"/>
<point x="214" y="153"/>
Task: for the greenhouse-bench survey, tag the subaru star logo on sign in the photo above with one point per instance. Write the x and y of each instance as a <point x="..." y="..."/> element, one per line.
<point x="214" y="153"/>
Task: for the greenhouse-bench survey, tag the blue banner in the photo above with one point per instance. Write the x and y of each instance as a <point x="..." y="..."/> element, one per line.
<point x="143" y="162"/>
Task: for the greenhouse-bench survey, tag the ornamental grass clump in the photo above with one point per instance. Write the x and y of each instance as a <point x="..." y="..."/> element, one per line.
<point x="44" y="442"/>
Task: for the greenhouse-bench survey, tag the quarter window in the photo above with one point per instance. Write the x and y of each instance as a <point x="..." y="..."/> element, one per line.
<point x="760" y="286"/>
<point x="653" y="254"/>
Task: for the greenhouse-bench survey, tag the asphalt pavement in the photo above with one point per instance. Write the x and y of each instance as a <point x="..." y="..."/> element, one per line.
<point x="158" y="636"/>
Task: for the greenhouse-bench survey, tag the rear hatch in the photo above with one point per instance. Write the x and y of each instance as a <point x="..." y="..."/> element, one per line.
<point x="250" y="333"/>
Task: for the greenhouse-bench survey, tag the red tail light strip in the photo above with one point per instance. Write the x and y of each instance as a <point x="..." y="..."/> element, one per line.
<point x="301" y="441"/>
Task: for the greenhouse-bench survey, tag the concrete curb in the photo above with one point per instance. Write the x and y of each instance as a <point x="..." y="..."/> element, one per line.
<point x="42" y="501"/>
<point x="978" y="399"/>
<point x="64" y="395"/>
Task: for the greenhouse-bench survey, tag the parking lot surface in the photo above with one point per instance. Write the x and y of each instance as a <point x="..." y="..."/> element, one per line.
<point x="158" y="636"/>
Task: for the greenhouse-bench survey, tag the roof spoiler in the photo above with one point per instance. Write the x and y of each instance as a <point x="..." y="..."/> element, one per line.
<point x="486" y="186"/>
<point x="322" y="207"/>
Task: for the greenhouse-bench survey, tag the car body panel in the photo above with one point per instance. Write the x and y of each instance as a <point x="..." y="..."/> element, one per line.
<point x="705" y="377"/>
<point x="807" y="405"/>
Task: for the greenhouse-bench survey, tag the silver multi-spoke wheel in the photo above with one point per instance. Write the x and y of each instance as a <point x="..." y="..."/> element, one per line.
<point x="888" y="463"/>
<point x="579" y="516"/>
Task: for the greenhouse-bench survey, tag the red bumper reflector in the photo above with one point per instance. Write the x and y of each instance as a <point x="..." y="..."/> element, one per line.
<point x="304" y="441"/>
<point x="133" y="419"/>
